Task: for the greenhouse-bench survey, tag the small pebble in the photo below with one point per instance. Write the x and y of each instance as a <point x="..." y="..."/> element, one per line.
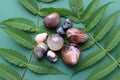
<point x="60" y="31"/>
<point x="70" y="54"/>
<point x="76" y="36"/>
<point x="52" y="56"/>
<point x="52" y="20"/>
<point x="67" y="24"/>
<point x="40" y="38"/>
<point x="55" y="42"/>
<point x="40" y="50"/>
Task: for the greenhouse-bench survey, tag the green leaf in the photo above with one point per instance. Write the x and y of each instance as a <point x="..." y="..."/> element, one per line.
<point x="14" y="57"/>
<point x="118" y="56"/>
<point x="94" y="19"/>
<point x="88" y="44"/>
<point x="62" y="11"/>
<point x="46" y="1"/>
<point x="43" y="29"/>
<point x="116" y="77"/>
<point x="21" y="37"/>
<point x="21" y="23"/>
<point x="43" y="68"/>
<point x="73" y="18"/>
<point x="8" y="73"/>
<point x="77" y="6"/>
<point x="89" y="10"/>
<point x="81" y="26"/>
<point x="102" y="70"/>
<point x="113" y="39"/>
<point x="30" y="5"/>
<point x="90" y="59"/>
<point x="105" y="26"/>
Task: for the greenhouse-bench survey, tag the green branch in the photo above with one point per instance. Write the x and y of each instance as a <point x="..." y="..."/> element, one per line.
<point x="100" y="46"/>
<point x="31" y="53"/>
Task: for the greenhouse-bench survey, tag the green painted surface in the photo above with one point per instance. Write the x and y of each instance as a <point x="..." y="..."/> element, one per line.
<point x="12" y="8"/>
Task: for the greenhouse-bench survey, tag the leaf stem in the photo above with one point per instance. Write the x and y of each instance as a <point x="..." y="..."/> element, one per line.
<point x="99" y="45"/>
<point x="22" y="75"/>
<point x="25" y="69"/>
<point x="31" y="53"/>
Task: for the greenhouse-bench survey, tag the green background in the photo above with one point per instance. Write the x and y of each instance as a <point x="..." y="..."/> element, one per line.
<point x="12" y="8"/>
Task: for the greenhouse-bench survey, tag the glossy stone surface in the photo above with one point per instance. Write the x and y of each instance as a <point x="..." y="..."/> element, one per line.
<point x="76" y="36"/>
<point x="40" y="38"/>
<point x="67" y="24"/>
<point x="70" y="54"/>
<point x="52" y="20"/>
<point x="40" y="50"/>
<point x="52" y="57"/>
<point x="55" y="42"/>
<point x="60" y="31"/>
